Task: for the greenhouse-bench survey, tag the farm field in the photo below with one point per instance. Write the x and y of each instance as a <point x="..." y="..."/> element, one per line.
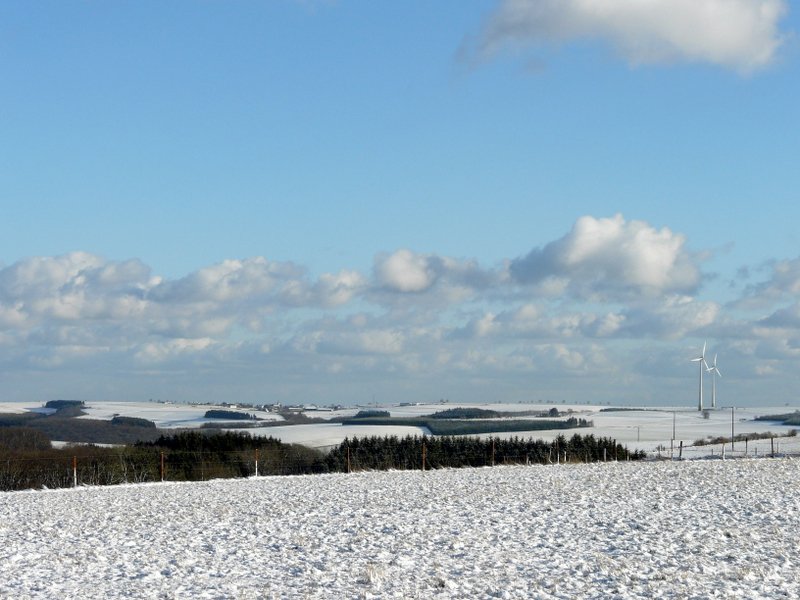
<point x="645" y="428"/>
<point x="696" y="529"/>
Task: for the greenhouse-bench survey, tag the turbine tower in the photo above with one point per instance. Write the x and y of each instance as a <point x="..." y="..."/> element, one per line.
<point x="702" y="360"/>
<point x="714" y="374"/>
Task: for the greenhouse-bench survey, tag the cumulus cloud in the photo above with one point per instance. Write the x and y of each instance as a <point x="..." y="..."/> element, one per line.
<point x="231" y="281"/>
<point x="738" y="34"/>
<point x="674" y="318"/>
<point x="404" y="271"/>
<point x="86" y="298"/>
<point x="404" y="276"/>
<point x="576" y="306"/>
<point x="610" y="258"/>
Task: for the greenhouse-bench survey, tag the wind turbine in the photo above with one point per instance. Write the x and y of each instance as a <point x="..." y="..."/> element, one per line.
<point x="714" y="373"/>
<point x="702" y="360"/>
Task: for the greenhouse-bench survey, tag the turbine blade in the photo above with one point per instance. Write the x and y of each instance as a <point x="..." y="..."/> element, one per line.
<point x="704" y="350"/>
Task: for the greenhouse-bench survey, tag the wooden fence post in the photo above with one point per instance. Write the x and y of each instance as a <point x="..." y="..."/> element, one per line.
<point x="772" y="446"/>
<point x="256" y="462"/>
<point x="680" y="451"/>
<point x="74" y="471"/>
<point x="162" y="466"/>
<point x="492" y="451"/>
<point x="348" y="459"/>
<point x="423" y="456"/>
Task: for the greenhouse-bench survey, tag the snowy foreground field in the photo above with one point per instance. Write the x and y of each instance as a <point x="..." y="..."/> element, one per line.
<point x="700" y="529"/>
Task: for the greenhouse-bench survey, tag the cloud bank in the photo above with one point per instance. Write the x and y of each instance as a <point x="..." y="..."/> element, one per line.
<point x="573" y="307"/>
<point x="738" y="34"/>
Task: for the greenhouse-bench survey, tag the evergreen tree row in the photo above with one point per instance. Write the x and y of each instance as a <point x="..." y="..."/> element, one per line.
<point x="392" y="452"/>
<point x="27" y="461"/>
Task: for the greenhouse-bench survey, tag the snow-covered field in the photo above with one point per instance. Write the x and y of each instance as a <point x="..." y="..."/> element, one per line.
<point x="645" y="429"/>
<point x="165" y="416"/>
<point x="701" y="529"/>
<point x="328" y="435"/>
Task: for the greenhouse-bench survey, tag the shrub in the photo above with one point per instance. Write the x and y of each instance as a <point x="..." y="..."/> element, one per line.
<point x="132" y="422"/>
<point x="368" y="414"/>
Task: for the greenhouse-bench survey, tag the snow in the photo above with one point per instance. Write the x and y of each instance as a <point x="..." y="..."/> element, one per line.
<point x="328" y="435"/>
<point x="165" y="416"/>
<point x="697" y="529"/>
<point x="645" y="429"/>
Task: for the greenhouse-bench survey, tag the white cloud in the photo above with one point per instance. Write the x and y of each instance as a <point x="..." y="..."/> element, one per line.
<point x="338" y="289"/>
<point x="230" y="280"/>
<point x="782" y="283"/>
<point x="738" y="34"/>
<point x="404" y="271"/>
<point x="673" y="317"/>
<point x="157" y="352"/>
<point x="405" y="278"/>
<point x="577" y="307"/>
<point x="610" y="258"/>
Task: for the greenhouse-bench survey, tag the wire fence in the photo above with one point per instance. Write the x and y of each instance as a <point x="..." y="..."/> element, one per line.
<point x="92" y="466"/>
<point x="137" y="466"/>
<point x="741" y="447"/>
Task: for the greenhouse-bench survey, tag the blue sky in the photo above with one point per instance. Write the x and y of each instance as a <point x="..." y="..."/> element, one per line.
<point x="330" y="201"/>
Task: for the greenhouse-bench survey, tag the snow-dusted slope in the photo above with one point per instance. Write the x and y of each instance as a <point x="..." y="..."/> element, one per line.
<point x="659" y="530"/>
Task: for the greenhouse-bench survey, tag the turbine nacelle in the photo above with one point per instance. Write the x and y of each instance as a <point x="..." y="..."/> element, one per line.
<point x="702" y="357"/>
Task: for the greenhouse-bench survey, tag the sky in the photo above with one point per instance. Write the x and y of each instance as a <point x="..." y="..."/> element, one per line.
<point x="352" y="202"/>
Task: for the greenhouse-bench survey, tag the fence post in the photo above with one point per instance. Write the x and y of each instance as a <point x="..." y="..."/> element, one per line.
<point x="162" y="466"/>
<point x="423" y="456"/>
<point x="605" y="456"/>
<point x="680" y="451"/>
<point x="74" y="471"/>
<point x="348" y="459"/>
<point x="256" y="462"/>
<point x="492" y="451"/>
<point x="772" y="446"/>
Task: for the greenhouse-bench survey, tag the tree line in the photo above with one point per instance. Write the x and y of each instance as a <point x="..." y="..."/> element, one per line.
<point x="27" y="460"/>
<point x="411" y="452"/>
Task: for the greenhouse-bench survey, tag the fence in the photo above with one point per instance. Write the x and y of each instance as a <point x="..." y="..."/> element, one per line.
<point x="131" y="464"/>
<point x="744" y="446"/>
<point x="135" y="464"/>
